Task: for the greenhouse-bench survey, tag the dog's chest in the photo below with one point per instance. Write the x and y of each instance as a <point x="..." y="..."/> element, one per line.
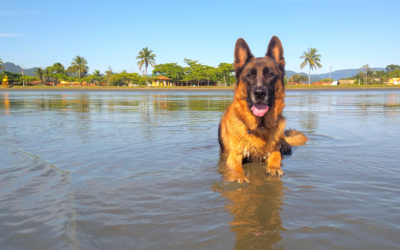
<point x="257" y="145"/>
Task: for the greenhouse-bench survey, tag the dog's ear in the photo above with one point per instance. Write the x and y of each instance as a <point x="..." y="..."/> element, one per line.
<point x="242" y="56"/>
<point x="275" y="51"/>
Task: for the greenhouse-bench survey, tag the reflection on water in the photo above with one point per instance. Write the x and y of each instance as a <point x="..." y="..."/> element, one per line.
<point x="143" y="171"/>
<point x="255" y="207"/>
<point x="98" y="103"/>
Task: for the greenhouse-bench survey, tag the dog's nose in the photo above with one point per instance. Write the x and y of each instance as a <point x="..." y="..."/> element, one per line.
<point x="260" y="93"/>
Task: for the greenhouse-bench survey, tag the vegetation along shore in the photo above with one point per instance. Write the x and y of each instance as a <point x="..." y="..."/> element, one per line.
<point x="193" y="74"/>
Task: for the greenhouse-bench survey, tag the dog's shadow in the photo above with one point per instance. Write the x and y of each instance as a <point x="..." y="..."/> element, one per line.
<point x="255" y="206"/>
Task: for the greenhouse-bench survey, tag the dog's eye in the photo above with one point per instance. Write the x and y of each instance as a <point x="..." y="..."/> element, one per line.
<point x="250" y="76"/>
<point x="270" y="74"/>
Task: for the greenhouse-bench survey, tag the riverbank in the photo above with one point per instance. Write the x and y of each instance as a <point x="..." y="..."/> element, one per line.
<point x="198" y="89"/>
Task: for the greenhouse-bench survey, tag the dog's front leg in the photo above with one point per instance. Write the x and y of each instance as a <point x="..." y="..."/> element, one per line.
<point x="234" y="162"/>
<point x="274" y="164"/>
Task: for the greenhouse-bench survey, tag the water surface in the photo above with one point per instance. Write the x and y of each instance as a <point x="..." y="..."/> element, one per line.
<point x="143" y="171"/>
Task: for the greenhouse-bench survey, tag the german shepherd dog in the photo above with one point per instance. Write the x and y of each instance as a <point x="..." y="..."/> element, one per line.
<point x="252" y="127"/>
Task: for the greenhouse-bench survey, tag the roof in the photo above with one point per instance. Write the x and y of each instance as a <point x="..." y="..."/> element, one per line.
<point x="163" y="78"/>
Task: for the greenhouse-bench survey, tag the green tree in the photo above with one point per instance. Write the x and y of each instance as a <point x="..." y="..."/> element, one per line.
<point x="56" y="72"/>
<point x="391" y="67"/>
<point x="285" y="79"/>
<point x="326" y="80"/>
<point x="226" y="72"/>
<point x="124" y="76"/>
<point x="27" y="79"/>
<point x="145" y="58"/>
<point x="79" y="64"/>
<point x="367" y="68"/>
<point x="312" y="59"/>
<point x="303" y="78"/>
<point x="97" y="76"/>
<point x="195" y="71"/>
<point x="1" y="65"/>
<point x="39" y="73"/>
<point x="108" y="75"/>
<point x="12" y="77"/>
<point x="170" y="70"/>
<point x="394" y="73"/>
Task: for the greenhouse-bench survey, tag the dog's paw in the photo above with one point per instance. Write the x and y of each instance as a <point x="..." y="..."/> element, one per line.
<point x="275" y="172"/>
<point x="239" y="179"/>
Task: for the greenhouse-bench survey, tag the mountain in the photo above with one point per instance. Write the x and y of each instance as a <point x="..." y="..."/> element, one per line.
<point x="336" y="75"/>
<point x="289" y="73"/>
<point x="11" y="67"/>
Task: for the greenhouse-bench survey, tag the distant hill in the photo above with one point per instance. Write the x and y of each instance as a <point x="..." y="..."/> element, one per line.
<point x="289" y="73"/>
<point x="336" y="75"/>
<point x="11" y="67"/>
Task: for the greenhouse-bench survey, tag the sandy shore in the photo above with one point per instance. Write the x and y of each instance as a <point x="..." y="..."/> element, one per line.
<point x="78" y="89"/>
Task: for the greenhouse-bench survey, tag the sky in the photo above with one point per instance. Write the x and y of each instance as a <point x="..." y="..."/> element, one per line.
<point x="348" y="33"/>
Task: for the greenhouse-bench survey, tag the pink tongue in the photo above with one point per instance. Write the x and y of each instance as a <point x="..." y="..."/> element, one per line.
<point x="259" y="109"/>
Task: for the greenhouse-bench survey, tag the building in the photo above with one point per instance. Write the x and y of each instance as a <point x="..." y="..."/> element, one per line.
<point x="162" y="81"/>
<point x="346" y="82"/>
<point x="321" y="83"/>
<point x="395" y="81"/>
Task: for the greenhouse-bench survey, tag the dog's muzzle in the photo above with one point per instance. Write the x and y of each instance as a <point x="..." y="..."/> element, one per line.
<point x="259" y="98"/>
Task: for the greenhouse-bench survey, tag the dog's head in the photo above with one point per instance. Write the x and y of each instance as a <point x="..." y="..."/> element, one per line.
<point x="259" y="80"/>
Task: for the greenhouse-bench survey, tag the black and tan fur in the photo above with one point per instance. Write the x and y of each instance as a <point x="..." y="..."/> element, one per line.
<point x="243" y="135"/>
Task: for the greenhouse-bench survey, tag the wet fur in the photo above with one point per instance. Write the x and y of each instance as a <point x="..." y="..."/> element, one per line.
<point x="244" y="136"/>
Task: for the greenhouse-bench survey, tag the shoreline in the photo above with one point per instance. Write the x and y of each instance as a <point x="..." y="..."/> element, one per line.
<point x="122" y="89"/>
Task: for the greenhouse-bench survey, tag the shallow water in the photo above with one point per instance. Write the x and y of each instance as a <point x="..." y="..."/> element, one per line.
<point x="143" y="171"/>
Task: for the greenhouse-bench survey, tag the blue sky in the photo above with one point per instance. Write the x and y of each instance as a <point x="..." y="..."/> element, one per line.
<point x="346" y="33"/>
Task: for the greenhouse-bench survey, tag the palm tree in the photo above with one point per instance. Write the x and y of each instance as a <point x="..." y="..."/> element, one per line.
<point x="312" y="59"/>
<point x="1" y="65"/>
<point x="146" y="57"/>
<point x="56" y="70"/>
<point x="97" y="76"/>
<point x="80" y="64"/>
<point x="40" y="73"/>
<point x="124" y="76"/>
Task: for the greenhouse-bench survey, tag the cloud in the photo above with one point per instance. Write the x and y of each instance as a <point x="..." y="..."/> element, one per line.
<point x="8" y="35"/>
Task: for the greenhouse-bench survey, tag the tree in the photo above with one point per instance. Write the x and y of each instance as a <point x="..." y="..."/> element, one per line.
<point x="326" y="80"/>
<point x="108" y="75"/>
<point x="12" y="77"/>
<point x="97" y="76"/>
<point x="367" y="68"/>
<point x="303" y="78"/>
<point x="298" y="78"/>
<point x="195" y="71"/>
<point x="79" y="64"/>
<point x="389" y="68"/>
<point x="170" y="70"/>
<point x="39" y="73"/>
<point x="109" y="71"/>
<point x="295" y="78"/>
<point x="145" y="58"/>
<point x="226" y="70"/>
<point x="1" y="65"/>
<point x="312" y="59"/>
<point x="27" y="79"/>
<point x="56" y="71"/>
<point x="124" y="76"/>
<point x="394" y="73"/>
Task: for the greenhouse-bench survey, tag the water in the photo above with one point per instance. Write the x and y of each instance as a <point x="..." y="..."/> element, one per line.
<point x="143" y="171"/>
